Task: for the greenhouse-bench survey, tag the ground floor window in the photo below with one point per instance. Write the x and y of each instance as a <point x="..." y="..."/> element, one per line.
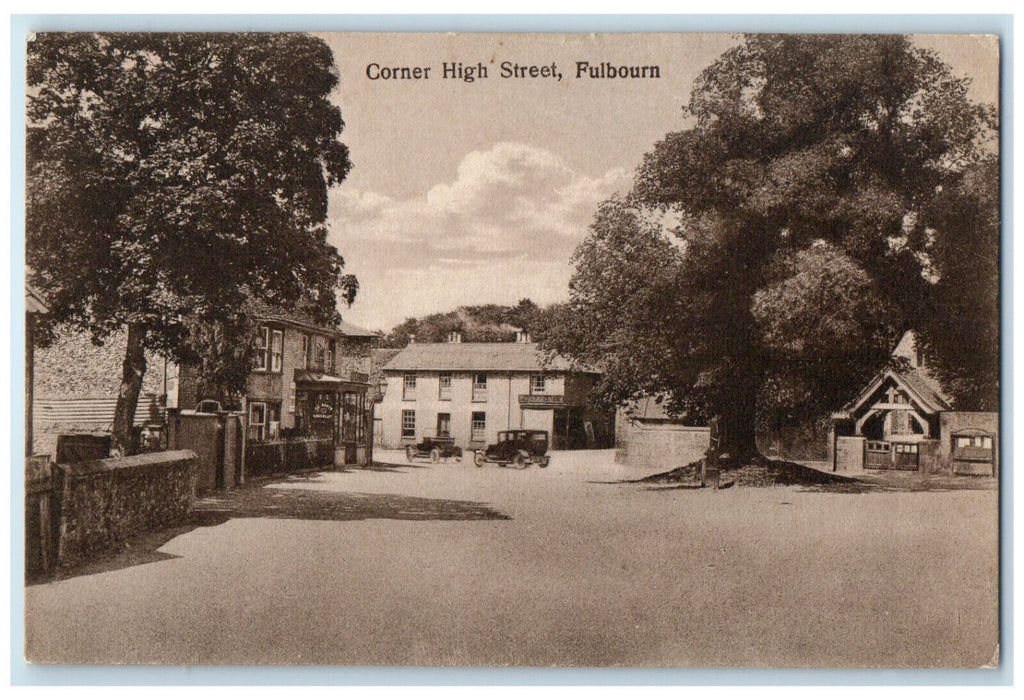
<point x="264" y="420"/>
<point x="478" y="427"/>
<point x="444" y="425"/>
<point x="315" y="413"/>
<point x="408" y="425"/>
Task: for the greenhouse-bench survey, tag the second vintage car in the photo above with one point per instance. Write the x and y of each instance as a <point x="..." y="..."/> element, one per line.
<point x="518" y="448"/>
<point x="434" y="449"/>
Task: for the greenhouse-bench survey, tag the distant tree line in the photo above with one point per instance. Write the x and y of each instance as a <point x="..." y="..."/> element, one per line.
<point x="485" y="323"/>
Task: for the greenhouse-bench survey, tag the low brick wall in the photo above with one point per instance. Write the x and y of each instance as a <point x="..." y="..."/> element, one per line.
<point x="283" y="456"/>
<point x="102" y="503"/>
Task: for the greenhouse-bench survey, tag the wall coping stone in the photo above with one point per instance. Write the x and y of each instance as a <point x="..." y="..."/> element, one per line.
<point x="145" y="461"/>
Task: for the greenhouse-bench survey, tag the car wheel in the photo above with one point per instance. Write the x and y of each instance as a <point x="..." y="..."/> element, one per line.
<point x="409" y="452"/>
<point x="518" y="462"/>
<point x="478" y="459"/>
<point x="544" y="462"/>
<point x="435" y="455"/>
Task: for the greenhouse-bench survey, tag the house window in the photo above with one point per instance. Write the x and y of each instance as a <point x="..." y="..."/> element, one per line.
<point x="323" y="354"/>
<point x="444" y="386"/>
<point x="478" y="427"/>
<point x="408" y="425"/>
<point x="480" y="387"/>
<point x="409" y="386"/>
<point x="264" y="421"/>
<point x="269" y="350"/>
<point x="537" y="384"/>
<point x="444" y="425"/>
<point x="304" y="355"/>
<point x="260" y="363"/>
<point x="276" y="350"/>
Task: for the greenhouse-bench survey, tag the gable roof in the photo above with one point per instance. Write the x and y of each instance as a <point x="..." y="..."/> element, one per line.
<point x="921" y="388"/>
<point x="906" y="372"/>
<point x="445" y="357"/>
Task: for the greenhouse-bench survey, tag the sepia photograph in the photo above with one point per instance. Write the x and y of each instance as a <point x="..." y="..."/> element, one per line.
<point x="478" y="350"/>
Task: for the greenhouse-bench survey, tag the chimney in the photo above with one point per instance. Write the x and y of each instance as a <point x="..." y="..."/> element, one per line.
<point x="412" y="338"/>
<point x="455" y="337"/>
<point x="522" y="337"/>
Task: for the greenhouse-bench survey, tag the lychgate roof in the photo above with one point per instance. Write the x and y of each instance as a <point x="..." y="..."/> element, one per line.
<point x="921" y="388"/>
<point x="444" y="357"/>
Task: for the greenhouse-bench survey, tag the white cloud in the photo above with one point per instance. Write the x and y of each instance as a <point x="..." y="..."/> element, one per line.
<point x="509" y="221"/>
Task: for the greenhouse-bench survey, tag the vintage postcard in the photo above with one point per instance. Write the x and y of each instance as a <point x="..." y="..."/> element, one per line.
<point x="532" y="350"/>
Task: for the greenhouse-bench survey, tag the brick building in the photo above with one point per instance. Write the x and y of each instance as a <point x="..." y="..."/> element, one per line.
<point x="309" y="380"/>
<point x="470" y="391"/>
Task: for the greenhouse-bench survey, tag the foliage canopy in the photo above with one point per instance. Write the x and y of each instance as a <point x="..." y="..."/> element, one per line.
<point x="173" y="178"/>
<point x="818" y="205"/>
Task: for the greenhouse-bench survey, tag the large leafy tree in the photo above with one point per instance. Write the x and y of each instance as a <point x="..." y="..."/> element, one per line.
<point x="173" y="179"/>
<point x="813" y="199"/>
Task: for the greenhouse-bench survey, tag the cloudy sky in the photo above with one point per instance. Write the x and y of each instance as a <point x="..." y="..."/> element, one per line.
<point x="473" y="193"/>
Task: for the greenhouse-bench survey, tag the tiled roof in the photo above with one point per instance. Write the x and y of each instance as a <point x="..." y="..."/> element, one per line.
<point x="925" y="386"/>
<point x="509" y="357"/>
<point x="649" y="408"/>
<point x="354" y="331"/>
<point x="301" y="317"/>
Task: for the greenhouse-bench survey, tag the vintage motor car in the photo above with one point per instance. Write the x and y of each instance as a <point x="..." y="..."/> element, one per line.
<point x="433" y="448"/>
<point x="518" y="448"/>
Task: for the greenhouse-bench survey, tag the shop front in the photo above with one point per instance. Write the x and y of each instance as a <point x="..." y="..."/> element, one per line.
<point x="335" y="408"/>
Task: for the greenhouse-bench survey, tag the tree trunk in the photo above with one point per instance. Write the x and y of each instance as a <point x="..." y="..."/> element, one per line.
<point x="133" y="369"/>
<point x="738" y="423"/>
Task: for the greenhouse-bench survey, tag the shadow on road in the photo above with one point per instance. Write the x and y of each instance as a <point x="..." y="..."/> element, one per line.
<point x="297" y="504"/>
<point x="324" y="505"/>
<point x="767" y="473"/>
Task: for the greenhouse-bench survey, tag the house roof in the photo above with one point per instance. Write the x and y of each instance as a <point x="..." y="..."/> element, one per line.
<point x="343" y="329"/>
<point x="508" y="357"/>
<point x="649" y="408"/>
<point x="303" y="318"/>
<point x="354" y="331"/>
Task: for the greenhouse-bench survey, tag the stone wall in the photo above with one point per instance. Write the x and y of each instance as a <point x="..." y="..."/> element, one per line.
<point x="103" y="503"/>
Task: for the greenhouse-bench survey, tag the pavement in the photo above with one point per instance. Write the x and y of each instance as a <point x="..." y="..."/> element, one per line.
<point x="454" y="565"/>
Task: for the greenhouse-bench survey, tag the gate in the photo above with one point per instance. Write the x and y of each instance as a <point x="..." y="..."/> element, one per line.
<point x="906" y="456"/>
<point x="877" y="455"/>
